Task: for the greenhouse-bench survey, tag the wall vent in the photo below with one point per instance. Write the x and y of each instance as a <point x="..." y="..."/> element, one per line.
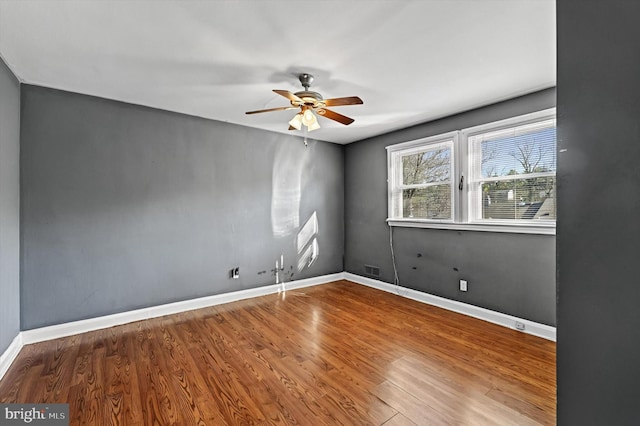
<point x="372" y="270"/>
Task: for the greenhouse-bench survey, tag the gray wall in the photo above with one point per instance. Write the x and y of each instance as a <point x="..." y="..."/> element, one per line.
<point x="598" y="231"/>
<point x="125" y="207"/>
<point x="9" y="207"/>
<point x="510" y="273"/>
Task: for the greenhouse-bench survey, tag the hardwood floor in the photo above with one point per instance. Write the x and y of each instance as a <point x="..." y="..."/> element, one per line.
<point x="341" y="353"/>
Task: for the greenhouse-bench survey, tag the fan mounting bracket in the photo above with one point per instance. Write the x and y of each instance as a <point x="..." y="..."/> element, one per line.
<point x="305" y="80"/>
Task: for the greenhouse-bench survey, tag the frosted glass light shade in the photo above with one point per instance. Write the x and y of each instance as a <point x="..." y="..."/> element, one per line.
<point x="307" y="117"/>
<point x="314" y="125"/>
<point x="296" y="121"/>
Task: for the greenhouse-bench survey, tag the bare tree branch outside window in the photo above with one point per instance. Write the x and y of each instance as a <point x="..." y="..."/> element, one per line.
<point x="429" y="167"/>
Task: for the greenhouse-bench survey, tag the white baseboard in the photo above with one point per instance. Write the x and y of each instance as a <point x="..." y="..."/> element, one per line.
<point x="509" y="321"/>
<point x="91" y="324"/>
<point x="76" y="327"/>
<point x="10" y="354"/>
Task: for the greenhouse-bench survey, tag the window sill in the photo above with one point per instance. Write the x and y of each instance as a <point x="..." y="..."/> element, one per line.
<point x="541" y="229"/>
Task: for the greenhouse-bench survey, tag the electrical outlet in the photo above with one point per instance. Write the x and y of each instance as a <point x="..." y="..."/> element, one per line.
<point x="463" y="285"/>
<point x="235" y="273"/>
<point x="519" y="326"/>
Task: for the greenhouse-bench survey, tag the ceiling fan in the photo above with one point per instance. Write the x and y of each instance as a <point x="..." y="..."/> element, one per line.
<point x="309" y="102"/>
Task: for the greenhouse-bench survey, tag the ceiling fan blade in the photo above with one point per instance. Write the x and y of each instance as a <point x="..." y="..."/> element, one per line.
<point x="287" y="94"/>
<point x="271" y="109"/>
<point x="350" y="100"/>
<point x="327" y="113"/>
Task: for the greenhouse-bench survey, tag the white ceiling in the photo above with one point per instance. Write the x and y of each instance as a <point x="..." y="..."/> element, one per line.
<point x="410" y="61"/>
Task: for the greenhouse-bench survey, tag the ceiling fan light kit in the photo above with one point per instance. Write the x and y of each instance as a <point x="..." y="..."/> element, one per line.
<point x="309" y="102"/>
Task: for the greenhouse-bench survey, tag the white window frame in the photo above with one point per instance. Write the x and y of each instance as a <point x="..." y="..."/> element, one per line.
<point x="462" y="213"/>
<point x="394" y="173"/>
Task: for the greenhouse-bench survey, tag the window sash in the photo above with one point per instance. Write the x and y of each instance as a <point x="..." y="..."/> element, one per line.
<point x="535" y="207"/>
<point x="395" y="155"/>
<point x="515" y="127"/>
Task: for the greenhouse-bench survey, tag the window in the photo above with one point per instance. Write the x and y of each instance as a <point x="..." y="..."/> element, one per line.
<point x="495" y="177"/>
<point x="512" y="174"/>
<point x="421" y="179"/>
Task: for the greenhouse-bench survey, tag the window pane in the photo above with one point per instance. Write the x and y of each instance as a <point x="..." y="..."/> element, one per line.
<point x="521" y="199"/>
<point x="433" y="202"/>
<point x="426" y="167"/>
<point x="519" y="153"/>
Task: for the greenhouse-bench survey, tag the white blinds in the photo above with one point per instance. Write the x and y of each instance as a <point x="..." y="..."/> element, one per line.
<point x="512" y="172"/>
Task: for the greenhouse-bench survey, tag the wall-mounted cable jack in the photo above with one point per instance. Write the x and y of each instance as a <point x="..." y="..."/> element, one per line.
<point x="235" y="273"/>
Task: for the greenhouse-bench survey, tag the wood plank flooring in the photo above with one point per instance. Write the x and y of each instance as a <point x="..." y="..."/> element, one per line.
<point x="341" y="353"/>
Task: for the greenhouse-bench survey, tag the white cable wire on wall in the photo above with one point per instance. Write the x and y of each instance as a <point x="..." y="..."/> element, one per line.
<point x="396" y="280"/>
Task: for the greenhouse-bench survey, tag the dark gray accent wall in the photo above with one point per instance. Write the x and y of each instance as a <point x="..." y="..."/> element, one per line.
<point x="509" y="273"/>
<point x="126" y="207"/>
<point x="9" y="207"/>
<point x="598" y="235"/>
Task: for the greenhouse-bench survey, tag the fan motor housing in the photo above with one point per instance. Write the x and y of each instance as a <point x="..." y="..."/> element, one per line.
<point x="309" y="94"/>
<point x="308" y="97"/>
